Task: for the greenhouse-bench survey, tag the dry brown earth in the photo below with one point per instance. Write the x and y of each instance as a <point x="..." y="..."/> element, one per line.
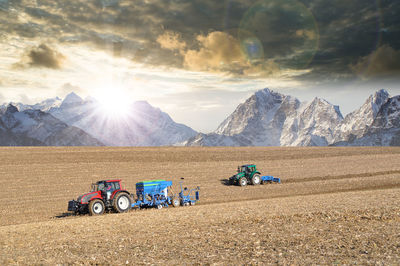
<point x="335" y="205"/>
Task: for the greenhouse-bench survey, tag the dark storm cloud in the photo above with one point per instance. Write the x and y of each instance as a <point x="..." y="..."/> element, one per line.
<point x="42" y="56"/>
<point x="348" y="30"/>
<point x="384" y="61"/>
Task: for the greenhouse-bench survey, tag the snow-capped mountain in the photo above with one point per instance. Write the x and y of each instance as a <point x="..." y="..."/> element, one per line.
<point x="315" y="124"/>
<point x="37" y="128"/>
<point x="71" y="100"/>
<point x="144" y="125"/>
<point x="44" y="106"/>
<point x="356" y="122"/>
<point x="268" y="118"/>
<point x="258" y="120"/>
<point x="384" y="130"/>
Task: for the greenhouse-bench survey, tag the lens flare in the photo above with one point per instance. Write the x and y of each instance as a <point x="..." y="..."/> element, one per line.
<point x="284" y="31"/>
<point x="252" y="48"/>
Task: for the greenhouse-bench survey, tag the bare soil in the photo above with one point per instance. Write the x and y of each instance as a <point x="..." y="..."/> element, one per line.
<point x="334" y="206"/>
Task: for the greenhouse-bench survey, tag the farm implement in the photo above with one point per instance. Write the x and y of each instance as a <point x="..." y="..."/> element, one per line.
<point x="158" y="194"/>
<point x="108" y="195"/>
<point x="248" y="174"/>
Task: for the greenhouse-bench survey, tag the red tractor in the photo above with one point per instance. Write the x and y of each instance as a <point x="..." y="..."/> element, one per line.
<point x="105" y="195"/>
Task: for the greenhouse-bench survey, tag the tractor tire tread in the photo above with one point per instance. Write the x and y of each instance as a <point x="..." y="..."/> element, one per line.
<point x="115" y="202"/>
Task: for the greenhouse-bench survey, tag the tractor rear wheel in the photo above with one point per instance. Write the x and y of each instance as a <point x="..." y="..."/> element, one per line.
<point x="256" y="180"/>
<point x="243" y="181"/>
<point x="96" y="207"/>
<point x="176" y="202"/>
<point x="122" y="202"/>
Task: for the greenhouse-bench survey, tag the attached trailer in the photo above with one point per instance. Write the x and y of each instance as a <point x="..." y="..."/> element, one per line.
<point x="270" y="179"/>
<point x="152" y="194"/>
<point x="158" y="194"/>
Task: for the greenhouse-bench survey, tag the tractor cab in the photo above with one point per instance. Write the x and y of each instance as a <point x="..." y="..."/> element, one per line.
<point x="106" y="185"/>
<point x="247" y="168"/>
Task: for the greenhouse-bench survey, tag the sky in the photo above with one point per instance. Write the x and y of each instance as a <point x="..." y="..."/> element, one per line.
<point x="198" y="59"/>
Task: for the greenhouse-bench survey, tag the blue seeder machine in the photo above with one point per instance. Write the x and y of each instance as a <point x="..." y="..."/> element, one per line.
<point x="159" y="194"/>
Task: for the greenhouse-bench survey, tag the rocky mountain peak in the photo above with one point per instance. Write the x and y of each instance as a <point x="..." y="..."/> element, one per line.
<point x="322" y="103"/>
<point x="264" y="93"/>
<point x="72" y="98"/>
<point x="11" y="109"/>
<point x="268" y="97"/>
<point x="376" y="100"/>
<point x="356" y="122"/>
<point x="322" y="108"/>
<point x="384" y="130"/>
<point x="388" y="115"/>
<point x="262" y="104"/>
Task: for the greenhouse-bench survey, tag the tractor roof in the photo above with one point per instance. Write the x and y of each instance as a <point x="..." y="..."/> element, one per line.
<point x="248" y="165"/>
<point x="111" y="180"/>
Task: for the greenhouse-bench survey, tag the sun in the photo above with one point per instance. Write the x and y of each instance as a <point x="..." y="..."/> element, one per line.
<point x="114" y="101"/>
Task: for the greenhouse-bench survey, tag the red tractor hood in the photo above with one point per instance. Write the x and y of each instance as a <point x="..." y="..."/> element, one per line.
<point x="85" y="198"/>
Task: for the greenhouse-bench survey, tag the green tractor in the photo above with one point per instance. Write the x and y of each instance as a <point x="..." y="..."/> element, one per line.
<point x="246" y="174"/>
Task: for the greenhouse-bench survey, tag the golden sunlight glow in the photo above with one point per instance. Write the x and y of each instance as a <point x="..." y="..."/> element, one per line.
<point x="113" y="101"/>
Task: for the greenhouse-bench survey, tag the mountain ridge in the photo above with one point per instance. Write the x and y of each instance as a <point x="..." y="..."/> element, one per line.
<point x="38" y="128"/>
<point x="268" y="118"/>
<point x="143" y="125"/>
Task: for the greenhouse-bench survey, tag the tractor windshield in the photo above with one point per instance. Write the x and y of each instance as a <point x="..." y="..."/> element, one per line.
<point x="94" y="188"/>
<point x="98" y="186"/>
<point x="248" y="169"/>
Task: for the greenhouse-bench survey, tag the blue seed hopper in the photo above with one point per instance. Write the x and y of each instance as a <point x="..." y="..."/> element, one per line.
<point x="152" y="193"/>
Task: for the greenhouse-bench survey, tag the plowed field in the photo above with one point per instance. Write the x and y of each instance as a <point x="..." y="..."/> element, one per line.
<point x="334" y="206"/>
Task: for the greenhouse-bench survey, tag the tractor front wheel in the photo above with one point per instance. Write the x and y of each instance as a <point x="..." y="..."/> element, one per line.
<point x="256" y="180"/>
<point x="122" y="202"/>
<point x="243" y="181"/>
<point x="96" y="207"/>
